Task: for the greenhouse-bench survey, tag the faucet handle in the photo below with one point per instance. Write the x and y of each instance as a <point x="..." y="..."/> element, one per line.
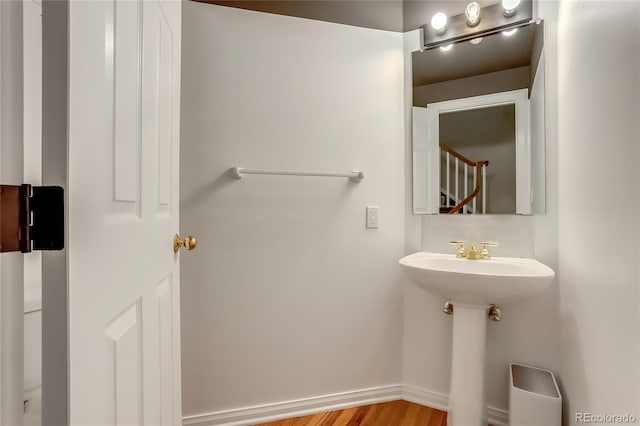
<point x="484" y="252"/>
<point x="462" y="252"/>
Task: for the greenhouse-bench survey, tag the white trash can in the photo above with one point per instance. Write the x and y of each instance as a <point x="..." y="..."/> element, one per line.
<point x="534" y="397"/>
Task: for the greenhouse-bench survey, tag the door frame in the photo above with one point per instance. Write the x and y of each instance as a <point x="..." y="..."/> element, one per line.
<point x="11" y="170"/>
<point x="54" y="172"/>
<point x="520" y="99"/>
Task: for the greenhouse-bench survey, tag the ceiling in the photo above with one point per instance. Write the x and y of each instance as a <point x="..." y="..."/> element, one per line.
<point x="378" y="14"/>
<point x="391" y="15"/>
<point x="416" y="13"/>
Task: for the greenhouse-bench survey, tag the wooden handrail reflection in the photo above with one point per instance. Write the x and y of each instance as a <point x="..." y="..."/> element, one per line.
<point x="456" y="154"/>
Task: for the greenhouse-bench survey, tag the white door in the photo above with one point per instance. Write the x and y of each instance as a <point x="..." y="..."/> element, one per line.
<point x="124" y="282"/>
<point x="426" y="161"/>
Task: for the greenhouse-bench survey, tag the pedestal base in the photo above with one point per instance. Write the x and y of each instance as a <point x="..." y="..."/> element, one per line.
<point x="467" y="405"/>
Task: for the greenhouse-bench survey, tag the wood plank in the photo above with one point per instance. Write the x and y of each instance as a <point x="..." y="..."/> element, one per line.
<point x="345" y="416"/>
<point x="394" y="413"/>
<point x="414" y="416"/>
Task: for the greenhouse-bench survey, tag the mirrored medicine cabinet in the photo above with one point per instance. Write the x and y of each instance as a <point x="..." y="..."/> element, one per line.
<point x="478" y="125"/>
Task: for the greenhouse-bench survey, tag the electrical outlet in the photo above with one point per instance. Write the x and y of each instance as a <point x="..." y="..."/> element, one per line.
<point x="373" y="216"/>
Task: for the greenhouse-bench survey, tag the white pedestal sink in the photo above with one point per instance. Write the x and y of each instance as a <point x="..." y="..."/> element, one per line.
<point x="472" y="286"/>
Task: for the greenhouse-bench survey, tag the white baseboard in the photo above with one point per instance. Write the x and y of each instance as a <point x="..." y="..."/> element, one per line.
<point x="338" y="401"/>
<point x="296" y="408"/>
<point x="497" y="417"/>
<point x="425" y="397"/>
<point x="440" y="401"/>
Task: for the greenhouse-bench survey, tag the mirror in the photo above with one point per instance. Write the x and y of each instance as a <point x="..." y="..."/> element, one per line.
<point x="478" y="125"/>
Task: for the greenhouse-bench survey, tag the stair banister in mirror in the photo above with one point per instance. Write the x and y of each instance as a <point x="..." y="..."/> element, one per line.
<point x="479" y="182"/>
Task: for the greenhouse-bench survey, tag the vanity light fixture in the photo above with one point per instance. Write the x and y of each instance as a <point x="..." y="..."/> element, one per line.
<point x="510" y="6"/>
<point x="447" y="47"/>
<point x="439" y="22"/>
<point x="511" y="32"/>
<point x="472" y="13"/>
<point x="476" y="21"/>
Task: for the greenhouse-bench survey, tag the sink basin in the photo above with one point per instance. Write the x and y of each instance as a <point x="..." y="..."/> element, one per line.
<point x="494" y="281"/>
<point x="472" y="285"/>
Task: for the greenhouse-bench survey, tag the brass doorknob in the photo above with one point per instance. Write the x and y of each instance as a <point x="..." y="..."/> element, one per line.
<point x="189" y="243"/>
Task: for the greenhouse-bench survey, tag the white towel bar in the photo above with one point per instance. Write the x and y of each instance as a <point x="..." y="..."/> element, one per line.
<point x="237" y="172"/>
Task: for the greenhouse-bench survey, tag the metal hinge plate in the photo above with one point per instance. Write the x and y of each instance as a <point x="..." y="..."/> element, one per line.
<point x="31" y="218"/>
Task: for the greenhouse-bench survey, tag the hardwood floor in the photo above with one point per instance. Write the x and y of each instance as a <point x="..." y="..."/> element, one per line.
<point x="394" y="413"/>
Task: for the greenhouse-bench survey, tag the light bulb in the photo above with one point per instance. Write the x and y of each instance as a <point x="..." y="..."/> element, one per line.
<point x="439" y="22"/>
<point x="510" y="6"/>
<point x="510" y="32"/>
<point x="476" y="40"/>
<point x="447" y="47"/>
<point x="472" y="13"/>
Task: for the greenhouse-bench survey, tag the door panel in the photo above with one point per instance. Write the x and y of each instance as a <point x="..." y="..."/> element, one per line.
<point x="164" y="295"/>
<point x="125" y="334"/>
<point x="158" y="93"/>
<point x="124" y="282"/>
<point x="126" y="67"/>
<point x="426" y="161"/>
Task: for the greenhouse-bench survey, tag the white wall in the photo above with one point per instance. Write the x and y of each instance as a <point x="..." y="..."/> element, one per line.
<point x="288" y="295"/>
<point x="544" y="146"/>
<point x="412" y="222"/>
<point x="598" y="134"/>
<point x="528" y="332"/>
<point x="263" y="328"/>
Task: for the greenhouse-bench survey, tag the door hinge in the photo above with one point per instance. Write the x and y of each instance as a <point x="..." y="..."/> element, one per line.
<point x="31" y="218"/>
